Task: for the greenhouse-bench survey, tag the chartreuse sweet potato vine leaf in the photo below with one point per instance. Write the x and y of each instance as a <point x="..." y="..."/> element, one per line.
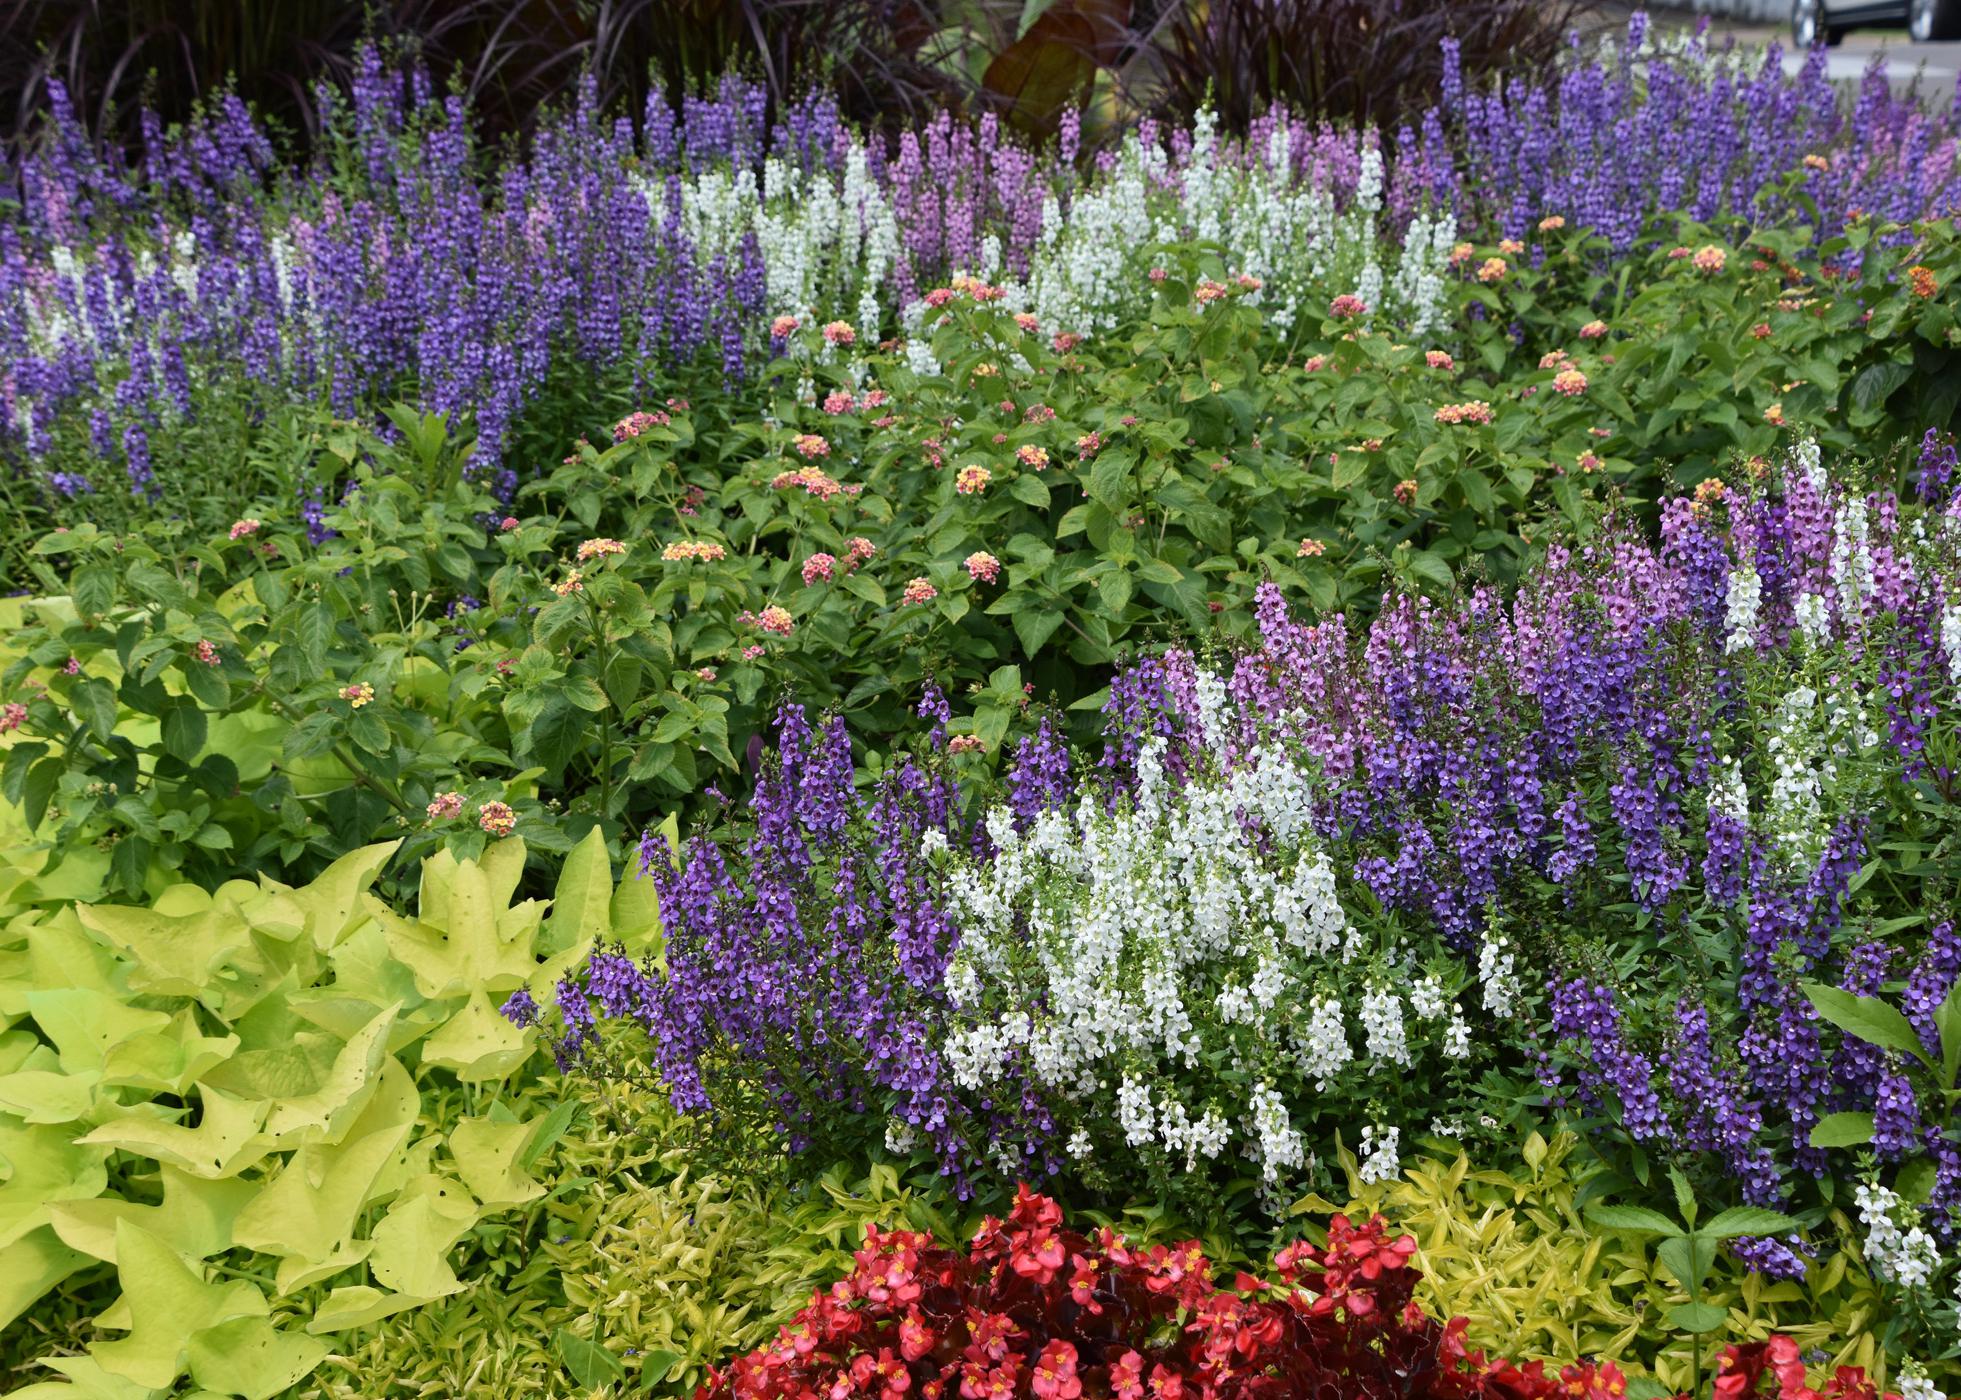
<point x="165" y="1305"/>
<point x="247" y="1077"/>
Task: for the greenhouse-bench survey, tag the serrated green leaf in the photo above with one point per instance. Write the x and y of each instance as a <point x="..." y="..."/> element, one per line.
<point x="1868" y="1018"/>
<point x="1632" y="1218"/>
<point x="1698" y="1318"/>
<point x="1748" y="1220"/>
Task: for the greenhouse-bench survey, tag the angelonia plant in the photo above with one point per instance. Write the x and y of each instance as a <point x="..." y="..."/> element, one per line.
<point x="1594" y="841"/>
<point x="152" y="311"/>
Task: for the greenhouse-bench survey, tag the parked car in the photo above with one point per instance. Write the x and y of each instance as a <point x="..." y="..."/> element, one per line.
<point x="1825" y="21"/>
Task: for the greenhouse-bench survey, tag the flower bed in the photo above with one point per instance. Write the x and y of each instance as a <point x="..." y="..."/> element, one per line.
<point x="151" y="314"/>
<point x="1225" y="683"/>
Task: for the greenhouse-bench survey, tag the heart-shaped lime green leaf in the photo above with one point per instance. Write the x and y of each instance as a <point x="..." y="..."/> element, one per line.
<point x="167" y="1304"/>
<point x="308" y="1210"/>
<point x="224" y="1143"/>
<point x="487" y="1154"/>
<point x="478" y="1044"/>
<point x="248" y="1356"/>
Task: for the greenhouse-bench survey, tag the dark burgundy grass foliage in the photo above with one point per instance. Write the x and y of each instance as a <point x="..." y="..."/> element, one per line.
<point x="1365" y="60"/>
<point x="509" y="58"/>
<point x="889" y="62"/>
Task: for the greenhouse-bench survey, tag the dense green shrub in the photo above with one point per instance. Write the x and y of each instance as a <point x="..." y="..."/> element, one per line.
<point x="203" y="707"/>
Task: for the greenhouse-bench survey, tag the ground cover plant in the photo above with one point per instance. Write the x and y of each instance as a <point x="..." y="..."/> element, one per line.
<point x="767" y="745"/>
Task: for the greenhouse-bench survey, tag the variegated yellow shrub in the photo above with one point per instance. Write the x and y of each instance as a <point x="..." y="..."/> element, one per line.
<point x="1512" y="1251"/>
<point x="643" y="1267"/>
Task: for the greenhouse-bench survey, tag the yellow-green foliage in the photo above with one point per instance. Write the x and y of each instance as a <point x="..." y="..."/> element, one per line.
<point x="671" y="1269"/>
<point x="698" y="1267"/>
<point x="237" y="1124"/>
<point x="1512" y="1251"/>
<point x="667" y="1267"/>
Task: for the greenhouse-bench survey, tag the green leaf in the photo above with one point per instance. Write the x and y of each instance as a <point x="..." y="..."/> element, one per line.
<point x="313" y="630"/>
<point x="412" y="1243"/>
<point x="584" y="692"/>
<point x="477" y="1043"/>
<point x="1030" y="490"/>
<point x="557" y="735"/>
<point x="486" y="1154"/>
<point x="1685" y="1204"/>
<point x="359" y="1306"/>
<point x="225" y="1142"/>
<point x="655" y="1366"/>
<point x="1633" y="1218"/>
<point x="591" y="1366"/>
<point x="864" y="586"/>
<point x="1876" y="383"/>
<point x="332" y="904"/>
<point x="183" y="730"/>
<point x="1843" y="1130"/>
<point x="94" y="589"/>
<point x="1947" y="1020"/>
<point x="328" y="1112"/>
<point x="175" y="955"/>
<point x="635" y="916"/>
<point x="29" y="1267"/>
<point x="311" y="737"/>
<point x="1108" y="480"/>
<point x="1697" y="1318"/>
<point x="13" y="773"/>
<point x="129" y="863"/>
<point x="582" y="902"/>
<point x="368" y="732"/>
<point x="1426" y="565"/>
<point x="1688" y="1258"/>
<point x="168" y="1305"/>
<point x="39" y="788"/>
<point x="547" y="1131"/>
<point x="1034" y="626"/>
<point x="1868" y="1018"/>
<point x="249" y="1356"/>
<point x="209" y="686"/>
<point x="308" y="1212"/>
<point x="1916" y="1181"/>
<point x="95" y="706"/>
<point x="1748" y="1220"/>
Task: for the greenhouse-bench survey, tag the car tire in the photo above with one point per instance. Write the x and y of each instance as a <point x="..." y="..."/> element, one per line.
<point x="1932" y="20"/>
<point x="1811" y="25"/>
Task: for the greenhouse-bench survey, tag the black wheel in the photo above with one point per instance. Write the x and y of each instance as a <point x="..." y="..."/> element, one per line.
<point x="1929" y="20"/>
<point x="1810" y="25"/>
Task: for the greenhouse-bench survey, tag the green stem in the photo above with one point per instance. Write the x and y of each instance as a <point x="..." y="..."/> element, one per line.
<point x="605" y="715"/>
<point x="361" y="777"/>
